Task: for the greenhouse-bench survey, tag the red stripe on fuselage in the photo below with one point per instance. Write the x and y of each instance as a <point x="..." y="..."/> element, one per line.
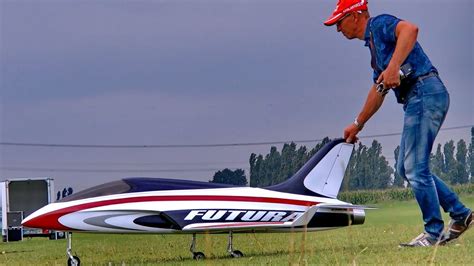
<point x="50" y="220"/>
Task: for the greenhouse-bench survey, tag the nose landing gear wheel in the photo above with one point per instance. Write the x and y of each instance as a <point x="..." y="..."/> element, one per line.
<point x="72" y="260"/>
<point x="75" y="261"/>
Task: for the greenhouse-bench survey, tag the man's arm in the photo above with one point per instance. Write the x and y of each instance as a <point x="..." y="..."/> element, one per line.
<point x="406" y="34"/>
<point x="372" y="104"/>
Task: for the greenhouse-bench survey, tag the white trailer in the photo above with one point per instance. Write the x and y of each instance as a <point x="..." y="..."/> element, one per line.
<point x="20" y="197"/>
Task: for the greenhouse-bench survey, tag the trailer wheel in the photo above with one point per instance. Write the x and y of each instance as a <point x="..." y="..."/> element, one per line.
<point x="75" y="261"/>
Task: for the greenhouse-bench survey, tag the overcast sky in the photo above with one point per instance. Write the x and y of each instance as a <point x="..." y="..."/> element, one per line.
<point x="198" y="72"/>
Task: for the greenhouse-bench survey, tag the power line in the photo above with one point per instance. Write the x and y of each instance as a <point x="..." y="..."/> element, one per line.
<point x="133" y="164"/>
<point x="215" y="145"/>
<point x="44" y="169"/>
<point x="399" y="133"/>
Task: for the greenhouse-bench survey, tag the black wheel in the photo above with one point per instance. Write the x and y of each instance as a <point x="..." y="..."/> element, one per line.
<point x="60" y="235"/>
<point x="76" y="261"/>
<point x="237" y="254"/>
<point x="198" y="256"/>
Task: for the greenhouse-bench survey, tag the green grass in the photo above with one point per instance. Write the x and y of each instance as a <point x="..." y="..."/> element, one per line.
<point x="375" y="242"/>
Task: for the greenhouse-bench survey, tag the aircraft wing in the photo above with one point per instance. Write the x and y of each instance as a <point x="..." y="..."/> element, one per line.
<point x="300" y="218"/>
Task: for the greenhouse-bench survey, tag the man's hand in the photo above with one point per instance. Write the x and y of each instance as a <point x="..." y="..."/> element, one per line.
<point x="390" y="77"/>
<point x="350" y="133"/>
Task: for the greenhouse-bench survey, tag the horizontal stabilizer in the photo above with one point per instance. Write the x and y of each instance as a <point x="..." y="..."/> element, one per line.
<point x="345" y="206"/>
<point x="309" y="214"/>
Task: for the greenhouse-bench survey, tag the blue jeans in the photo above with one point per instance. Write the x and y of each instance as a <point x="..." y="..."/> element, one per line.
<point x="425" y="110"/>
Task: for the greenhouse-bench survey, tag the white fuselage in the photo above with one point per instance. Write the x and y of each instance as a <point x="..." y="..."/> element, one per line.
<point x="192" y="210"/>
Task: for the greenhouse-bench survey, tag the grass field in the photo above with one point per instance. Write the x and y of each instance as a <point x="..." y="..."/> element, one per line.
<point x="375" y="242"/>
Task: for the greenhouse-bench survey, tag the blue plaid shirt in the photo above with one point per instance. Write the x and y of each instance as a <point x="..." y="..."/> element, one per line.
<point x="383" y="28"/>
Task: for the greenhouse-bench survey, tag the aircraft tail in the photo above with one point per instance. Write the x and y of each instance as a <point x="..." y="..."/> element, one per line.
<point x="322" y="174"/>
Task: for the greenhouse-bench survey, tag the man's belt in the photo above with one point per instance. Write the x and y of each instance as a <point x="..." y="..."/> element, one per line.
<point x="405" y="90"/>
<point x="425" y="76"/>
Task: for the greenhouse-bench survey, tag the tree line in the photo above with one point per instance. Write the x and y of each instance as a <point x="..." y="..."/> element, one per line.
<point x="367" y="169"/>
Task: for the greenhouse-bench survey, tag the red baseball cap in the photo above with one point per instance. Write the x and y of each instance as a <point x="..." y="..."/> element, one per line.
<point x="343" y="7"/>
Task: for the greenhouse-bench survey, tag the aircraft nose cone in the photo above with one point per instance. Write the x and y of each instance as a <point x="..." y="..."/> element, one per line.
<point x="32" y="222"/>
<point x="44" y="220"/>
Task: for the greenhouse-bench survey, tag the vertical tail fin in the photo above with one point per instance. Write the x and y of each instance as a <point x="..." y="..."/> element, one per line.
<point x="322" y="175"/>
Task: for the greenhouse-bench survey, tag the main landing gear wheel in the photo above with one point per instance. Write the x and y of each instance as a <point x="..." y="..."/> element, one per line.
<point x="237" y="254"/>
<point x="75" y="261"/>
<point x="233" y="253"/>
<point x="198" y="256"/>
